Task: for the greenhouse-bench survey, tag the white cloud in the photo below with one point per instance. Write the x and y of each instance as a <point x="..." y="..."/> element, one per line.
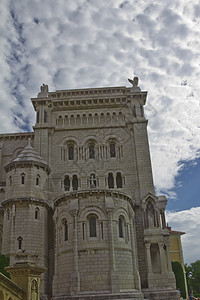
<point x="187" y="221"/>
<point x="88" y="43"/>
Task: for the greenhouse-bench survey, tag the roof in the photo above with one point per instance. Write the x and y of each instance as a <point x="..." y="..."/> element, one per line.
<point x="28" y="155"/>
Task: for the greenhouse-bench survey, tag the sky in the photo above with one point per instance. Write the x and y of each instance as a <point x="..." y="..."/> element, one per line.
<point x="89" y="43"/>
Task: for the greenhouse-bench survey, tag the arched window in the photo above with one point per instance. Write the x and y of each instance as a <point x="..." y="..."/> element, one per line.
<point x="20" y="239"/>
<point x="93" y="181"/>
<point x="75" y="183"/>
<point x="37" y="182"/>
<point x="91" y="151"/>
<point x="22" y="178"/>
<point x="71" y="152"/>
<point x="93" y="225"/>
<point x="65" y="231"/>
<point x="112" y="150"/>
<point x="67" y="183"/>
<point x="121" y="227"/>
<point x="110" y="181"/>
<point x="36" y="213"/>
<point x="119" y="180"/>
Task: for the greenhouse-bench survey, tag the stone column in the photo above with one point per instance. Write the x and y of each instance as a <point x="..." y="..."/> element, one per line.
<point x="169" y="265"/>
<point x="114" y="278"/>
<point x="55" y="276"/>
<point x="147" y="245"/>
<point x="75" y="277"/>
<point x="163" y="219"/>
<point x="134" y="255"/>
<point x="160" y="245"/>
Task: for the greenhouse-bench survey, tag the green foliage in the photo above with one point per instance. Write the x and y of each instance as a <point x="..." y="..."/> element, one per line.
<point x="193" y="277"/>
<point x="4" y="262"/>
<point x="179" y="275"/>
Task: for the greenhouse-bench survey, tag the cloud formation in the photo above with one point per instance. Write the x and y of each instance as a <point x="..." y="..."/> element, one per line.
<point x="187" y="221"/>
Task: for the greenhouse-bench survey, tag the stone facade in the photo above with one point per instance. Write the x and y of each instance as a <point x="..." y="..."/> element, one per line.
<point x="78" y="198"/>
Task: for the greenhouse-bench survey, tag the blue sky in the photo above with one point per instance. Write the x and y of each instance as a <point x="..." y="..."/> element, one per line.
<point x="89" y="43"/>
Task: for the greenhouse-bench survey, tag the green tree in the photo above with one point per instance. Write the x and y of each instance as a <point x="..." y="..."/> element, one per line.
<point x="4" y="262"/>
<point x="179" y="275"/>
<point x="193" y="277"/>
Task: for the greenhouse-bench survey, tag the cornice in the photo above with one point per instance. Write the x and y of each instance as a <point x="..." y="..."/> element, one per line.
<point x="26" y="200"/>
<point x="96" y="192"/>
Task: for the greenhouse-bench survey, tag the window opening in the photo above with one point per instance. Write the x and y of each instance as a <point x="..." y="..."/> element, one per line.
<point x="36" y="213"/>
<point x="91" y="151"/>
<point x="121" y="231"/>
<point x="66" y="231"/>
<point x="92" y="223"/>
<point x="20" y="242"/>
<point x="71" y="152"/>
<point x="112" y="150"/>
<point x="67" y="183"/>
<point x="75" y="183"/>
<point x="38" y="180"/>
<point x="10" y="181"/>
<point x="22" y="178"/>
<point x="101" y="230"/>
<point x="110" y="181"/>
<point x="119" y="180"/>
<point x="83" y="229"/>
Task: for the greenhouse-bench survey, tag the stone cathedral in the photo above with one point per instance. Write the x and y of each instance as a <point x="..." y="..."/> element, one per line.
<point x="79" y="213"/>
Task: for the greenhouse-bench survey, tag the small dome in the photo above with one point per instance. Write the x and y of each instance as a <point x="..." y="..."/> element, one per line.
<point x="28" y="155"/>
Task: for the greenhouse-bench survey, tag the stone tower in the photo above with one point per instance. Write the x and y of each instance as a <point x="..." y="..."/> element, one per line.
<point x="102" y="232"/>
<point x="25" y="227"/>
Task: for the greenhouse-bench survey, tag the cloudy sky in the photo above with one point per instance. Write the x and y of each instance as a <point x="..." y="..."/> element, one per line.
<point x="90" y="43"/>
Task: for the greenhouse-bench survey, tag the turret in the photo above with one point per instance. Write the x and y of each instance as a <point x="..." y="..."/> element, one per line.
<point x="25" y="236"/>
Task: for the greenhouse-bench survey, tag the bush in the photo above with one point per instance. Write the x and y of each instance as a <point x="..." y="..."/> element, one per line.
<point x="4" y="262"/>
<point x="179" y="275"/>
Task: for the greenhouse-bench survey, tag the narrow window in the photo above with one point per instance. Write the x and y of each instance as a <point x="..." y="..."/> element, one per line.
<point x="36" y="213"/>
<point x="112" y="150"/>
<point x="134" y="111"/>
<point x="67" y="183"/>
<point x="75" y="183"/>
<point x="119" y="180"/>
<point x="8" y="214"/>
<point x="101" y="230"/>
<point x="45" y="116"/>
<point x="10" y="181"/>
<point x="93" y="181"/>
<point x="19" y="242"/>
<point x="110" y="181"/>
<point x="83" y="229"/>
<point x="92" y="223"/>
<point x="22" y="178"/>
<point x="66" y="231"/>
<point x="71" y="152"/>
<point x="91" y="151"/>
<point x="38" y="179"/>
<point x="121" y="231"/>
